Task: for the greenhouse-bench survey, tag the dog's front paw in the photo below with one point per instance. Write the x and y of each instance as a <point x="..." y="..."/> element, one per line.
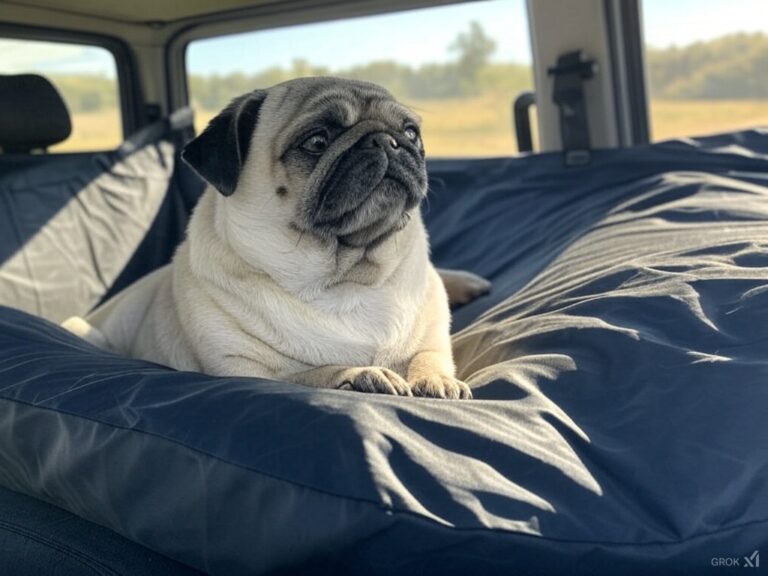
<point x="441" y="386"/>
<point x="374" y="380"/>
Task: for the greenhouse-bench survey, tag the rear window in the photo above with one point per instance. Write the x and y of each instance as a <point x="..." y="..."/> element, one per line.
<point x="707" y="64"/>
<point x="460" y="67"/>
<point x="86" y="78"/>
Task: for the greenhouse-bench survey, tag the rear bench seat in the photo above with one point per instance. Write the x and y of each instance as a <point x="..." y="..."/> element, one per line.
<point x="76" y="228"/>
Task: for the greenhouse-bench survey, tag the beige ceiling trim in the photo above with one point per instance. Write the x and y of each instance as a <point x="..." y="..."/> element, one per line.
<point x="13" y="13"/>
<point x="137" y="11"/>
<point x="231" y="16"/>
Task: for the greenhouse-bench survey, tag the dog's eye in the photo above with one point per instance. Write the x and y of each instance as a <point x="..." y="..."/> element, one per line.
<point x="411" y="132"/>
<point x="315" y="144"/>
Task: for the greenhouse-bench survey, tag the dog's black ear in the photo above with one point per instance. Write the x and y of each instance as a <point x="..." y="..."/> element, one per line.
<point x="219" y="152"/>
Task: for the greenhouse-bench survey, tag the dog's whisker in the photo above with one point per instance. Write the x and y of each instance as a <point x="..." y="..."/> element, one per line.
<point x="426" y="199"/>
<point x="301" y="237"/>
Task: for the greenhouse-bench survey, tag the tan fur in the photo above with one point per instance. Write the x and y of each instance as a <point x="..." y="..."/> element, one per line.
<point x="247" y="294"/>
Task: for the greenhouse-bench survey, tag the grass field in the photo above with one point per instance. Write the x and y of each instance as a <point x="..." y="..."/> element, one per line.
<point x="479" y="126"/>
<point x="100" y="130"/>
<point x="674" y="118"/>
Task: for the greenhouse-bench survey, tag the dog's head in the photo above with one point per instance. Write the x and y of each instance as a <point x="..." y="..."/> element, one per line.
<point x="339" y="159"/>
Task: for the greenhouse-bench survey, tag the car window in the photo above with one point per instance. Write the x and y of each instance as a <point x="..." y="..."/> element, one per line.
<point x="86" y="78"/>
<point x="707" y="64"/>
<point x="460" y="67"/>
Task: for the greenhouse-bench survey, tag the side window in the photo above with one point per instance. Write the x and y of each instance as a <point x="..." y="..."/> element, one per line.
<point x="459" y="67"/>
<point x="707" y="65"/>
<point x="86" y="78"/>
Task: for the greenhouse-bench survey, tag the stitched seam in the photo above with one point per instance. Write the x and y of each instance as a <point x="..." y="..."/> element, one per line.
<point x="380" y="505"/>
<point x="75" y="554"/>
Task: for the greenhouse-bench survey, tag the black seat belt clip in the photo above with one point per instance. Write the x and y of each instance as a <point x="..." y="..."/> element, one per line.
<point x="570" y="73"/>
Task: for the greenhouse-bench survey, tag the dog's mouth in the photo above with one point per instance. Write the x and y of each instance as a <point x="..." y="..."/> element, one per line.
<point x="369" y="191"/>
<point x="380" y="215"/>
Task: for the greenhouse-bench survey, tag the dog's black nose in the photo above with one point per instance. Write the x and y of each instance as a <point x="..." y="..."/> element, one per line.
<point x="380" y="140"/>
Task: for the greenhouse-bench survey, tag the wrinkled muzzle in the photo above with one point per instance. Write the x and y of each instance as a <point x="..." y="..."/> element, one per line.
<point x="370" y="190"/>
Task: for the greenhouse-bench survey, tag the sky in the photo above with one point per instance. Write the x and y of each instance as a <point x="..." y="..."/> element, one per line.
<point x="681" y="22"/>
<point x="53" y="57"/>
<point x="413" y="37"/>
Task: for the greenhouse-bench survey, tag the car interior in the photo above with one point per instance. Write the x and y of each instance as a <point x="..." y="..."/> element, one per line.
<point x="603" y="163"/>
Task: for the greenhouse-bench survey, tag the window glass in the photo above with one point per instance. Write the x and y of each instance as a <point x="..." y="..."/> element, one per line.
<point x="460" y="67"/>
<point x="86" y="77"/>
<point x="707" y="65"/>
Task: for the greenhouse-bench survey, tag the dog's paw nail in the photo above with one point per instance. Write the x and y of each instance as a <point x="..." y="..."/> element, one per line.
<point x="439" y="386"/>
<point x="377" y="381"/>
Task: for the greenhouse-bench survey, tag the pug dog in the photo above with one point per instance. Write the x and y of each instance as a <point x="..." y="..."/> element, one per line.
<point x="306" y="259"/>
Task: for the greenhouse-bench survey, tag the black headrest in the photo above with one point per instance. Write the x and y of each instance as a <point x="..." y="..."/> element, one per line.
<point x="32" y="114"/>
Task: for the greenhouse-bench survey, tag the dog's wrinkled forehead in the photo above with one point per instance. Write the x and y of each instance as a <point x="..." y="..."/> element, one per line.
<point x="306" y="102"/>
<point x="267" y="121"/>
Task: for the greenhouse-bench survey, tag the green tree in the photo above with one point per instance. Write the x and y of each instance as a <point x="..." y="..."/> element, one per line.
<point x="471" y="73"/>
<point x="474" y="49"/>
<point x="730" y="67"/>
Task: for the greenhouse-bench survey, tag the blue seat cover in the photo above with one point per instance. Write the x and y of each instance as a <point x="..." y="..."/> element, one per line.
<point x="620" y="369"/>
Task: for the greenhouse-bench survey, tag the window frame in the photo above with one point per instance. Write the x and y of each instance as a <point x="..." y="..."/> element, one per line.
<point x="271" y="17"/>
<point x="128" y="84"/>
<point x="624" y="25"/>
